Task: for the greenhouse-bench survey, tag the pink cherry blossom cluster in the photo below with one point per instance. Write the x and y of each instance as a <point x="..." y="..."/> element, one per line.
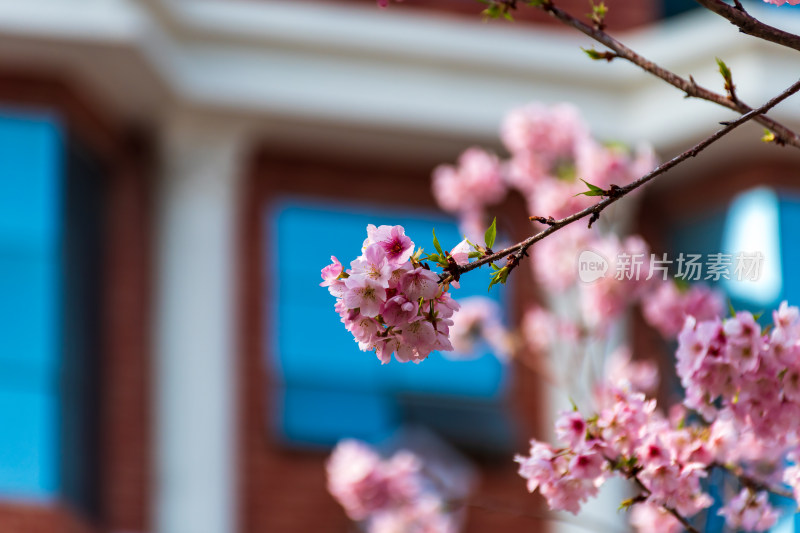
<point x="743" y="381"/>
<point x="666" y="458"/>
<point x="628" y="438"/>
<point x="468" y="188"/>
<point x="389" y="301"/>
<point x="387" y="495"/>
<point x="781" y="2"/>
<point x="732" y="368"/>
<point x="667" y="307"/>
<point x="551" y="151"/>
<point x="749" y="511"/>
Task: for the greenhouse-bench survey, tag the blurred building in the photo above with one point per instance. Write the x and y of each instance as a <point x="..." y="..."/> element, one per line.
<point x="173" y="175"/>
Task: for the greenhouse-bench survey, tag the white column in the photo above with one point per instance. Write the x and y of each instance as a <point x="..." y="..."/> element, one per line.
<point x="195" y="329"/>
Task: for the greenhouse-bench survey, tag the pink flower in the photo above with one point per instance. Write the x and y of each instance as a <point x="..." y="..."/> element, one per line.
<point x="749" y="511"/>
<point x="648" y="518"/>
<point x="744" y="341"/>
<point x="571" y="428"/>
<point x="420" y="337"/>
<point x="551" y="133"/>
<point x="365" y="294"/>
<point x="781" y="2"/>
<point x="667" y="307"/>
<point x="390" y="495"/>
<point x="555" y="260"/>
<point x="419" y="283"/>
<point x="398" y="311"/>
<point x="537" y="468"/>
<point x="392" y="239"/>
<point x="356" y="479"/>
<point x="587" y="465"/>
<point x="791" y="476"/>
<point x="460" y="253"/>
<point x="567" y="493"/>
<point x="372" y="264"/>
<point x="474" y="183"/>
<point x="331" y="272"/>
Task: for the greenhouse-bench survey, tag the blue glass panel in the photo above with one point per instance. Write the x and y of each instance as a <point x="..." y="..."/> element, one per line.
<point x="790" y="247"/>
<point x="28" y="436"/>
<point x="316" y="358"/>
<point x="30" y="193"/>
<point x="28" y="312"/>
<point x="324" y="416"/>
<point x="31" y="162"/>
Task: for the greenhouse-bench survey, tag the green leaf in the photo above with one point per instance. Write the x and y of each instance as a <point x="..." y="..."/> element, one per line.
<point x="475" y="255"/>
<point x="731" y="310"/>
<point x="436" y="244"/>
<point x="594" y="190"/>
<point x="573" y="404"/>
<point x="724" y="70"/>
<point x="592" y="53"/>
<point x="490" y="234"/>
<point x="596" y="55"/>
<point x="491" y="12"/>
<point x="768" y="136"/>
<point x="626" y="504"/>
<point x="599" y="11"/>
<point x="501" y="276"/>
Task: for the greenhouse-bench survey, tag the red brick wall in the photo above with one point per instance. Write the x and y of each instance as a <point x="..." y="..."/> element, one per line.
<point x="27" y="518"/>
<point x="284" y="490"/>
<point x="623" y="14"/>
<point x="126" y="419"/>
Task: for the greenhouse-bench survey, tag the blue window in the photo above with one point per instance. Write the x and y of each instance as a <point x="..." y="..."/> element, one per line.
<point x="31" y="154"/>
<point x="326" y="388"/>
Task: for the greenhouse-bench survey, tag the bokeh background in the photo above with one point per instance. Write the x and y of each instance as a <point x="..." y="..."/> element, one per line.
<point x="173" y="175"/>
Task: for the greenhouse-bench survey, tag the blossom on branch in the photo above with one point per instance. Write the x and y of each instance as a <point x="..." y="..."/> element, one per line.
<point x="389" y="301"/>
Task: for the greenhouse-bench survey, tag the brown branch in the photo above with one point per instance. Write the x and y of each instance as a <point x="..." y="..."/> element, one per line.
<point x="521" y="248"/>
<point x="750" y="25"/>
<point x="783" y="134"/>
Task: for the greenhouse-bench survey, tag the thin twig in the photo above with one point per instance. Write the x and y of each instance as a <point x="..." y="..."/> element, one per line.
<point x="750" y="25"/>
<point x="594" y="210"/>
<point x="690" y="87"/>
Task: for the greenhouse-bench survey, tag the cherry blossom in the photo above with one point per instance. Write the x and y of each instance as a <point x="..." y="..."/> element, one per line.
<point x="393" y="495"/>
<point x="390" y="303"/>
<point x="749" y="511"/>
<point x="667" y="306"/>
